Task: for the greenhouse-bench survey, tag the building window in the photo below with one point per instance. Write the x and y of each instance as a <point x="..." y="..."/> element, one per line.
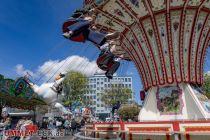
<point x="122" y="80"/>
<point x="102" y="105"/>
<point x="98" y="99"/>
<point x="94" y="85"/>
<point x="102" y="88"/>
<point x="97" y="88"/>
<point x="129" y="85"/>
<point x="129" y="79"/>
<point x="105" y="85"/>
<point x="94" y="102"/>
<point x="105" y="79"/>
<point x="102" y="83"/>
<point x="94" y="96"/>
<point x="126" y="80"/>
<point x="97" y="105"/>
<point x="97" y="83"/>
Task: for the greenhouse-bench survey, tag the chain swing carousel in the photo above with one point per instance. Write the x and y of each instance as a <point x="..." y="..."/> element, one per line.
<point x="18" y="94"/>
<point x="167" y="40"/>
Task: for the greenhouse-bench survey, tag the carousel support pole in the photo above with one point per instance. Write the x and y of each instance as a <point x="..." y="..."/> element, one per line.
<point x="177" y="136"/>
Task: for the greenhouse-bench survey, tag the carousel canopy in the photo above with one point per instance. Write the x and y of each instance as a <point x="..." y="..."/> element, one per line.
<point x="166" y="39"/>
<point x="18" y="94"/>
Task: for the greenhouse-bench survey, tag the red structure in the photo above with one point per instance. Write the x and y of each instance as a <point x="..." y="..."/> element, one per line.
<point x="185" y="130"/>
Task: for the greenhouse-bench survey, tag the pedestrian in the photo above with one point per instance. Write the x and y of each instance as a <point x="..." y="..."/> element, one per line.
<point x="5" y="123"/>
<point x="73" y="126"/>
<point x="82" y="122"/>
<point x="44" y="126"/>
<point x="67" y="126"/>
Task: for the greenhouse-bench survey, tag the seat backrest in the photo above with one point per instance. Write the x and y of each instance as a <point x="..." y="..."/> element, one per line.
<point x="78" y="38"/>
<point x="101" y="59"/>
<point x="67" y="24"/>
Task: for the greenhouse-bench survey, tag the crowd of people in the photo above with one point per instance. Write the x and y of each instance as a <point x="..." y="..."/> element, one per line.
<point x="68" y="126"/>
<point x="7" y="123"/>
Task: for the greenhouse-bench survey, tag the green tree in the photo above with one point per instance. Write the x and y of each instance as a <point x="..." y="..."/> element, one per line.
<point x="116" y="93"/>
<point x="74" y="87"/>
<point x="87" y="101"/>
<point x="1" y="77"/>
<point x="129" y="112"/>
<point x="1" y="106"/>
<point x="206" y="85"/>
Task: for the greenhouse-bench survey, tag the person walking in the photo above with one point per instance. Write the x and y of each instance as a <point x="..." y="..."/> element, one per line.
<point x="73" y="126"/>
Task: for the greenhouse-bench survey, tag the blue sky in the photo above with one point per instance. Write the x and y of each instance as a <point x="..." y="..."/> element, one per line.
<point x="30" y="34"/>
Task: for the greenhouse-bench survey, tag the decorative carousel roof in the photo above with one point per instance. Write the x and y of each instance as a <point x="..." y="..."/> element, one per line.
<point x="23" y="99"/>
<point x="166" y="39"/>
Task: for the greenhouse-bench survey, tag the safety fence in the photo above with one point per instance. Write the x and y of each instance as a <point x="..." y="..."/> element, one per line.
<point x="164" y="130"/>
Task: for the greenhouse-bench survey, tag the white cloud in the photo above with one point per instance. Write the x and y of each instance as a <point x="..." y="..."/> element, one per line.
<point x="46" y="92"/>
<point x="53" y="67"/>
<point x="20" y="70"/>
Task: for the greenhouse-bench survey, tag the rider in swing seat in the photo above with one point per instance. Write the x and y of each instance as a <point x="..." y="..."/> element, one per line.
<point x="110" y="62"/>
<point x="79" y="29"/>
<point x="58" y="86"/>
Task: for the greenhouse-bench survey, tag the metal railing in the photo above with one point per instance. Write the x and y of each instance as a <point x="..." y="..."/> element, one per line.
<point x="81" y="136"/>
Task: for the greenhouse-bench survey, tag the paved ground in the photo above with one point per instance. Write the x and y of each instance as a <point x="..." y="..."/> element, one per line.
<point x="58" y="138"/>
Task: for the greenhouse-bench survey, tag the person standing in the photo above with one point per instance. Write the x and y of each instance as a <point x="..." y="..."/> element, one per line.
<point x="73" y="126"/>
<point x="67" y="126"/>
<point x="5" y="123"/>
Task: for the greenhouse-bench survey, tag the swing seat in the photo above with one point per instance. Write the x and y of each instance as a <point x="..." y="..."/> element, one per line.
<point x="101" y="59"/>
<point x="77" y="38"/>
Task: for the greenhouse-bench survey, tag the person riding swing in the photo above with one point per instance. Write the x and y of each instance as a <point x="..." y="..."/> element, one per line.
<point x="77" y="28"/>
<point x="107" y="61"/>
<point x="58" y="84"/>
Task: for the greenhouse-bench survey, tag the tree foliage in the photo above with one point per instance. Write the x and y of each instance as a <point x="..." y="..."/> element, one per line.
<point x="206" y="85"/>
<point x="129" y="112"/>
<point x="114" y="94"/>
<point x="74" y="87"/>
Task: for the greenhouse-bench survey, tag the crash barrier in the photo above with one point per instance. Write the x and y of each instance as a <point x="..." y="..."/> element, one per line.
<point x="81" y="136"/>
<point x="113" y="135"/>
<point x="158" y="130"/>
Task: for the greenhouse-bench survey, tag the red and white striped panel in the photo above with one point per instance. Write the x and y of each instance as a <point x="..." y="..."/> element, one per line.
<point x="166" y="39"/>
